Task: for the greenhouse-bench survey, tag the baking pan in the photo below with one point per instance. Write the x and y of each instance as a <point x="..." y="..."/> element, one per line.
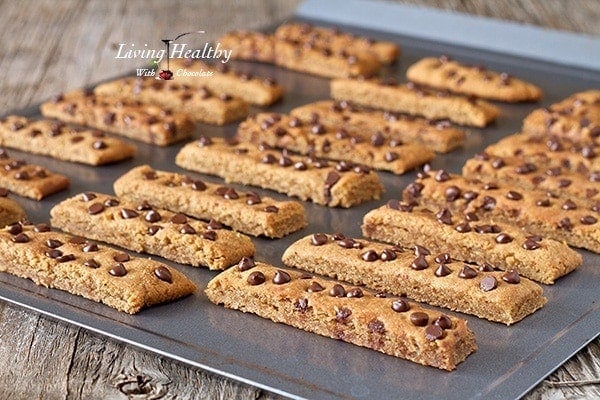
<point x="510" y="360"/>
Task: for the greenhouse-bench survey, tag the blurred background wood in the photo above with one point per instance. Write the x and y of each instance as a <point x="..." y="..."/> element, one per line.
<point x="51" y="46"/>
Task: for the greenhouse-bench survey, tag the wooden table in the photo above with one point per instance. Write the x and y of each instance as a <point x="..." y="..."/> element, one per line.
<point x="51" y="46"/>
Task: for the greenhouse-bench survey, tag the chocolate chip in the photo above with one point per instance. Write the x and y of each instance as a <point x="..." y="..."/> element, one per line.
<point x="414" y="189"/>
<point x="252" y="198"/>
<point x="256" y="278"/>
<point x="452" y="193"/>
<point x="99" y="145"/>
<point x="376" y="326"/>
<point x="530" y="244"/>
<point x="54" y="253"/>
<point x="127" y="213"/>
<point x="434" y="332"/>
<point x="204" y="141"/>
<point x="588" y="220"/>
<point x="467" y="272"/>
<point x="488" y="203"/>
<point x="187" y="229"/>
<point x="463" y="227"/>
<point x="498" y="163"/>
<point x="117" y="269"/>
<point x="301" y="305"/>
<point x="315" y="287"/>
<point x="488" y="283"/>
<point x="370" y="255"/>
<point x="271" y="209"/>
<point x="152" y="216"/>
<point x="512" y="195"/>
<point x="569" y="205"/>
<point x="442" y="270"/>
<point x="442" y="176"/>
<point x="150" y="175"/>
<point x="354" y="293"/>
<point x="246" y="263"/>
<point x="317" y="129"/>
<point x="511" y="277"/>
<point x="88" y="196"/>
<point x="443" y="321"/>
<point x="15" y="229"/>
<point x="163" y="274"/>
<point x="42" y="228"/>
<point x="337" y="290"/>
<point x="525" y="168"/>
<point x="179" y="218"/>
<point x="318" y="239"/>
<point x="444" y="216"/>
<point x="77" y="240"/>
<point x="90" y="247"/>
<point x="377" y="139"/>
<point x="400" y="305"/>
<point x="122" y="257"/>
<point x="20" y="238"/>
<point x="281" y="277"/>
<point x="96" y="208"/>
<point x="419" y="318"/>
<point x="111" y="203"/>
<point x="91" y="263"/>
<point x="65" y="258"/>
<point x="419" y="263"/>
<point x="543" y="203"/>
<point x="565" y="224"/>
<point x="387" y="255"/>
<point x="503" y="238"/>
<point x="22" y="176"/>
<point x="208" y="235"/>
<point x="153" y="229"/>
<point x="486" y="228"/>
<point x="443" y="258"/>
<point x="472" y="217"/>
<point x="53" y="243"/>
<point x="490" y="186"/>
<point x="343" y="314"/>
<point x="4" y="192"/>
<point x="214" y="225"/>
<point x="421" y="251"/>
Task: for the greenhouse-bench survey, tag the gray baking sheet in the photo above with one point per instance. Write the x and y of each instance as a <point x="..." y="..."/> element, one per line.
<point x="509" y="362"/>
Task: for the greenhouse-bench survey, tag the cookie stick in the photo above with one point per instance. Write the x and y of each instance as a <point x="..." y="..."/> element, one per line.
<point x="408" y="98"/>
<point x="501" y="246"/>
<point x="282" y="131"/>
<point x="433" y="279"/>
<point x="438" y="136"/>
<point x="533" y="175"/>
<point x="55" y="139"/>
<point x="392" y="326"/>
<point x="139" y="227"/>
<point x="202" y="104"/>
<point x="343" y="185"/>
<point x="245" y="212"/>
<point x="572" y="221"/>
<point x="60" y="261"/>
<point x="120" y="115"/>
<point x="29" y="180"/>
<point x="222" y="79"/>
<point x="447" y="74"/>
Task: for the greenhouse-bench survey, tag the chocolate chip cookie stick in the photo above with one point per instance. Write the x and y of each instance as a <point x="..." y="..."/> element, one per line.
<point x="339" y="185"/>
<point x="447" y="74"/>
<point x="120" y="115"/>
<point x="438" y="280"/>
<point x="573" y="221"/>
<point x="468" y="239"/>
<point x="29" y="180"/>
<point x="202" y="104"/>
<point x="282" y="131"/>
<point x="57" y="140"/>
<point x="139" y="227"/>
<point x="392" y="326"/>
<point x="409" y="98"/>
<point x="438" y="136"/>
<point x="60" y="261"/>
<point x="245" y="212"/>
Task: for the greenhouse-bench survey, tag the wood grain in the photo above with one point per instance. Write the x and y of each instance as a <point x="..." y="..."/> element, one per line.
<point x="52" y="46"/>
